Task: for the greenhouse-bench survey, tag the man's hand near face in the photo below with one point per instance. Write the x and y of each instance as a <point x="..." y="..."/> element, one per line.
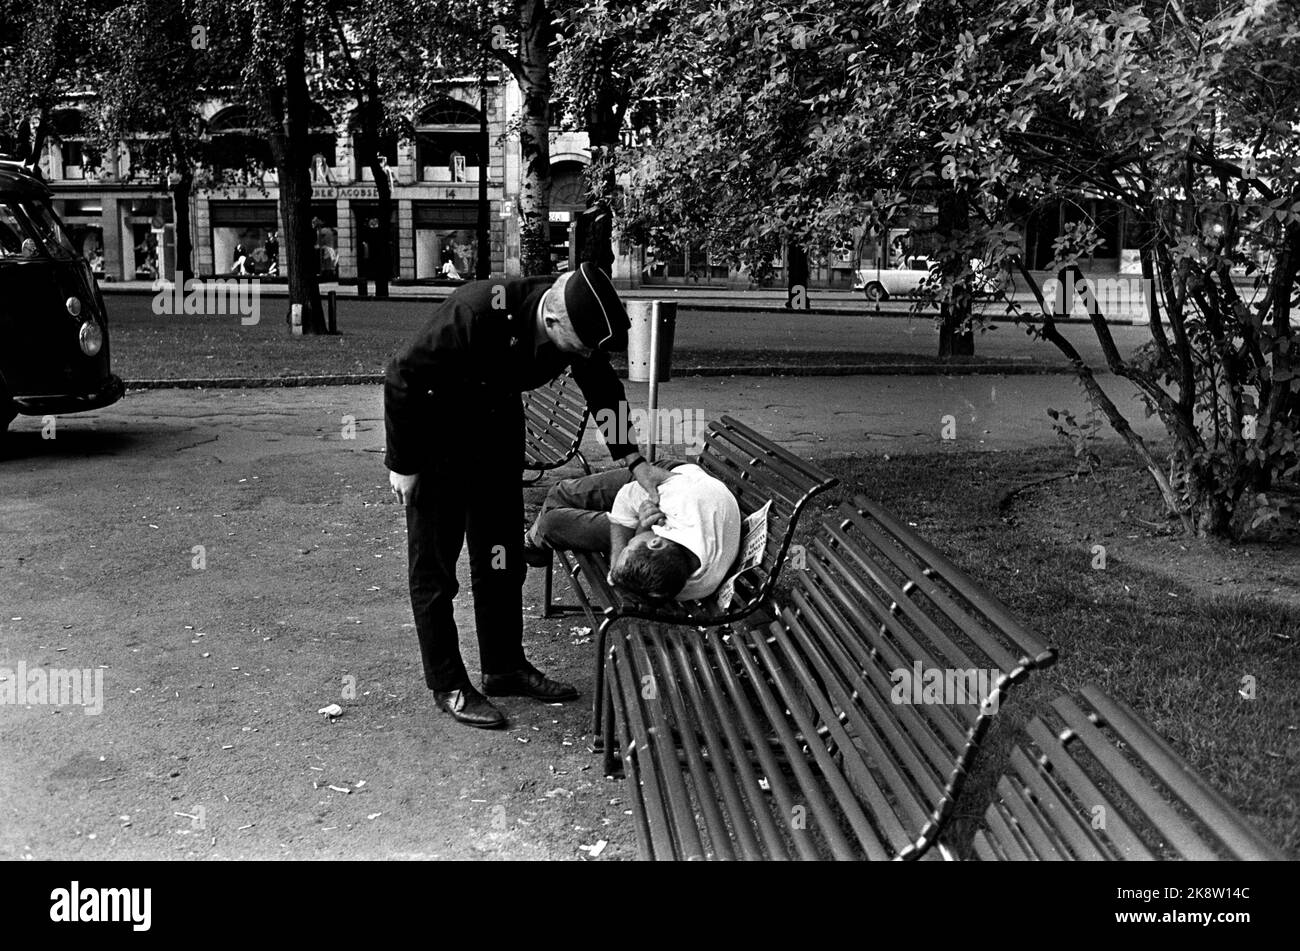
<point x="648" y="516"/>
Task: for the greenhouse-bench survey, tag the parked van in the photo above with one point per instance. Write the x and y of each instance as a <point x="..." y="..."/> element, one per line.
<point x="54" y="355"/>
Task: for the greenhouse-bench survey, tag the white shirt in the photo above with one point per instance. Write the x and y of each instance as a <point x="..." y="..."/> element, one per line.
<point x="700" y="514"/>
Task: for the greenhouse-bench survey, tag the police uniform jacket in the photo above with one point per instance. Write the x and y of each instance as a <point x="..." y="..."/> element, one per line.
<point x="476" y="352"/>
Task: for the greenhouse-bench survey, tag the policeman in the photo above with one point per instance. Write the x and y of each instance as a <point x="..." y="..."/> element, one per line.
<point x="455" y="434"/>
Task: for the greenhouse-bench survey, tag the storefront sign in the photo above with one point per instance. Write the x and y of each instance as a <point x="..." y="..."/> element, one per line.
<point x="348" y="191"/>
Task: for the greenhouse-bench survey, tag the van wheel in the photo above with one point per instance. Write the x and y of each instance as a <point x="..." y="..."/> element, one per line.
<point x="875" y="291"/>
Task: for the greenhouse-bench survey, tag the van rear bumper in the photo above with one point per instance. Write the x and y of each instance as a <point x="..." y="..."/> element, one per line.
<point x="110" y="392"/>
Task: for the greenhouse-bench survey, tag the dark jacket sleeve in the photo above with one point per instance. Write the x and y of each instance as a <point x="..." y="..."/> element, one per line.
<point x="607" y="401"/>
<point x="437" y="360"/>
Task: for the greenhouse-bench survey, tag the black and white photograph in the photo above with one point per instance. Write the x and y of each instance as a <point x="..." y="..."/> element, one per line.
<point x="624" y="431"/>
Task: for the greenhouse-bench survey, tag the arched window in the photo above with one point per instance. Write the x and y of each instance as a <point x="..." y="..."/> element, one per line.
<point x="448" y="141"/>
<point x="568" y="187"/>
<point x="235" y="144"/>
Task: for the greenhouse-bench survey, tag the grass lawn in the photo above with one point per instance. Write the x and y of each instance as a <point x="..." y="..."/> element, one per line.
<point x="1172" y="649"/>
<point x="147" y="346"/>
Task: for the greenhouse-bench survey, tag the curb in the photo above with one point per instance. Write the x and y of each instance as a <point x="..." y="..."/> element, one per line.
<point x="377" y="379"/>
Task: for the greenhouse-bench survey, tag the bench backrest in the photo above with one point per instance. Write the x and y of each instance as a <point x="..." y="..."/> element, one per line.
<point x="1093" y="781"/>
<point x="555" y="417"/>
<point x="757" y="471"/>
<point x="914" y="659"/>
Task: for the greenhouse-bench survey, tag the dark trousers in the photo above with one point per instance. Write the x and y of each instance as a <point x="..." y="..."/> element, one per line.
<point x="473" y="490"/>
<point x="575" y="515"/>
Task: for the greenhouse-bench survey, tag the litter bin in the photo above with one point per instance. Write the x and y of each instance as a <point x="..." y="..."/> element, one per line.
<point x="642" y="315"/>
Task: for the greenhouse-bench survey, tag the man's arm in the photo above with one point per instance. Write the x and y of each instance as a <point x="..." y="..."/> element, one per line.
<point x="607" y="401"/>
<point x="619" y="536"/>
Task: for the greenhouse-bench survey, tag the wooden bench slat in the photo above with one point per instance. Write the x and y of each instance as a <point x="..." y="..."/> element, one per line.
<point x="885" y="631"/>
<point x="715" y="827"/>
<point x="655" y="836"/>
<point x="1000" y="657"/>
<point x="816" y="800"/>
<point x="908" y="622"/>
<point x="998" y="613"/>
<point x="659" y="739"/>
<point x="758" y="736"/>
<point x="1011" y="844"/>
<point x="739" y="785"/>
<point x="555" y="417"/>
<point x="909" y="757"/>
<point x="1155" y="809"/>
<point x="1240" y="838"/>
<point x="1054" y="805"/>
<point x="1099" y="783"/>
<point x="810" y="471"/>
<point x="861" y="780"/>
<point x="1127" y="843"/>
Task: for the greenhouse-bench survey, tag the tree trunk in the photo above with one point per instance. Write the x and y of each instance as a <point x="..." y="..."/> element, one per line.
<point x="372" y="109"/>
<point x="796" y="297"/>
<point x="534" y="77"/>
<point x="956" y="335"/>
<point x="291" y="107"/>
<point x="181" y="216"/>
<point x="483" y="258"/>
<point x="604" y="123"/>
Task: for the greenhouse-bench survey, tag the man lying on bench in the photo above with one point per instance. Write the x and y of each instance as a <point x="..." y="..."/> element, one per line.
<point x="680" y="549"/>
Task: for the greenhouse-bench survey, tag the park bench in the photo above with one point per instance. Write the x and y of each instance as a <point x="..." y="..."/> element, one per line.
<point x="1093" y="781"/>
<point x="758" y="472"/>
<point x="784" y="739"/>
<point x="555" y="417"/>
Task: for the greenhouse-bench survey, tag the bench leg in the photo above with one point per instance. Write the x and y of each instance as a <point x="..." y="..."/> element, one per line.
<point x="609" y="745"/>
<point x="598" y="701"/>
<point x="549" y="607"/>
<point x="548" y="586"/>
<point x="583" y="459"/>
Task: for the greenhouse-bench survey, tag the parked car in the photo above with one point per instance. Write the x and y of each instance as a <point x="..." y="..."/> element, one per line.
<point x="882" y="283"/>
<point x="54" y="355"/>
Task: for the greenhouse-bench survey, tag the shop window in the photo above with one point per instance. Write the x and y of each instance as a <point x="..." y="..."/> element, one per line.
<point x="245" y="238"/>
<point x="446" y="240"/>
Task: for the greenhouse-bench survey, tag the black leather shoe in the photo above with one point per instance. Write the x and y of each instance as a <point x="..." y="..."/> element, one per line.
<point x="470" y="707"/>
<point x="535" y="556"/>
<point x="528" y="682"/>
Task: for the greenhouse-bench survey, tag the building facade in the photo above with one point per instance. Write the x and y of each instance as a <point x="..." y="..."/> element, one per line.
<point x="125" y="225"/>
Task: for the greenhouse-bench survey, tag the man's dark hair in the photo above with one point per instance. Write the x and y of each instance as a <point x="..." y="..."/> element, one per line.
<point x="656" y="575"/>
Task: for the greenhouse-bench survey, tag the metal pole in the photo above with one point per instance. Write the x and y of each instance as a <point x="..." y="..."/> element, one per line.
<point x="653" y="398"/>
<point x="332" y="312"/>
